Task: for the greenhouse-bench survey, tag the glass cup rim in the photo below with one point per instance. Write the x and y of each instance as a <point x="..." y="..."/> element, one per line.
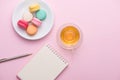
<point x="59" y="41"/>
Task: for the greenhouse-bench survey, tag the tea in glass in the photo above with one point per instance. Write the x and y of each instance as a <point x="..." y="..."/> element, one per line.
<point x="69" y="36"/>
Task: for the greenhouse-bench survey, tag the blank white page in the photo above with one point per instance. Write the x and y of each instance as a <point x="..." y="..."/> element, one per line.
<point x="45" y="65"/>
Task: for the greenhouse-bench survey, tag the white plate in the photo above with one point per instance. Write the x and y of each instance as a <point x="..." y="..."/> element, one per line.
<point x="43" y="30"/>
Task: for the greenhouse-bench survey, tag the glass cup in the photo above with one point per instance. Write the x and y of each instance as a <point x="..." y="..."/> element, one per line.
<point x="69" y="36"/>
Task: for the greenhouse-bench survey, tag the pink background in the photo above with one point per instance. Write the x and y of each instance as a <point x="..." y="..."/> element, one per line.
<point x="98" y="58"/>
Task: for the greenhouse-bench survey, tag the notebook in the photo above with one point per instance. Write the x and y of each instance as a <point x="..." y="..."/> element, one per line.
<point x="45" y="65"/>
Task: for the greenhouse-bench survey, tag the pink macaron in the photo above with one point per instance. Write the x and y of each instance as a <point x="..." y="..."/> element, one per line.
<point x="22" y="24"/>
<point x="36" y="22"/>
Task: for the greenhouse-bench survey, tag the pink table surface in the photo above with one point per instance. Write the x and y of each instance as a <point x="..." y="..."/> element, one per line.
<point x="98" y="58"/>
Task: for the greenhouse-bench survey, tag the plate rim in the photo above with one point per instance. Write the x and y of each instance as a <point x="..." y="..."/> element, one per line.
<point x="52" y="23"/>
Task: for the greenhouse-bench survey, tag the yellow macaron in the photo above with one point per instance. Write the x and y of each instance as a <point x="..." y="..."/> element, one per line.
<point x="34" y="7"/>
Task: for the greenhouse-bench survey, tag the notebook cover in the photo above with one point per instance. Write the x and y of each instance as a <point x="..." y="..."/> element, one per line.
<point x="45" y="65"/>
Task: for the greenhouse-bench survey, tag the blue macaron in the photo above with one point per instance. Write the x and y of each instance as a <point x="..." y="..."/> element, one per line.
<point x="41" y="14"/>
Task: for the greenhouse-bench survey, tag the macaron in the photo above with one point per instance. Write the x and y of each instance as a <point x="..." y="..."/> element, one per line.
<point x="22" y="24"/>
<point x="27" y="16"/>
<point x="31" y="30"/>
<point x="34" y="7"/>
<point x="36" y="22"/>
<point x="41" y="14"/>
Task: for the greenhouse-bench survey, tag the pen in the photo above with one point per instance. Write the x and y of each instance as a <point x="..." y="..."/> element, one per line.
<point x="13" y="58"/>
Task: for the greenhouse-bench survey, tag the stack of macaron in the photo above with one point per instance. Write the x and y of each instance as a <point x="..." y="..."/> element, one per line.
<point x="32" y="19"/>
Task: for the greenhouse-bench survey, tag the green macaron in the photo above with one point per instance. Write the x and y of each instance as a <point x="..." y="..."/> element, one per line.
<point x="41" y="14"/>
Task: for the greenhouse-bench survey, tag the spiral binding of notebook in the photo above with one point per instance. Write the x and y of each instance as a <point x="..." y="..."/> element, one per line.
<point x="56" y="53"/>
<point x="47" y="64"/>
